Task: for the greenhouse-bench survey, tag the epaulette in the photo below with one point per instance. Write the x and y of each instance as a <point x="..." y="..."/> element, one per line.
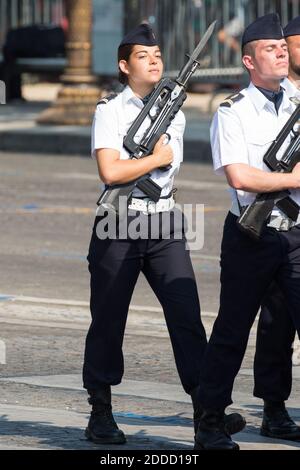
<point x="107" y="98"/>
<point x="230" y="100"/>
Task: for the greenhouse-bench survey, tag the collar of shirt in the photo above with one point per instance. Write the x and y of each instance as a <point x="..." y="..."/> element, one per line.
<point x="290" y="88"/>
<point x="260" y="101"/>
<point x="275" y="97"/>
<point x="147" y="98"/>
<point x="129" y="96"/>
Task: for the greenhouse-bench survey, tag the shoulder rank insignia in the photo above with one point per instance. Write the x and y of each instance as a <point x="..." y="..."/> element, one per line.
<point x="107" y="98"/>
<point x="230" y="100"/>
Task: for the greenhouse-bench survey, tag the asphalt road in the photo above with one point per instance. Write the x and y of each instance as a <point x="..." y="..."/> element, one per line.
<point x="47" y="206"/>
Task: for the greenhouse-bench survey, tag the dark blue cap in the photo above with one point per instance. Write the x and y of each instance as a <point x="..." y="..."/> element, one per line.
<point x="265" y="27"/>
<point x="292" y="28"/>
<point x="142" y="34"/>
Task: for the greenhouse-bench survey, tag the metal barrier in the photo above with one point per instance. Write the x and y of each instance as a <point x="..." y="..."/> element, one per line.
<point x="15" y="13"/>
<point x="181" y="23"/>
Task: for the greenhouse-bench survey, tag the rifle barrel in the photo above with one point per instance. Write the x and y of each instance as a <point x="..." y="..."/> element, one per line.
<point x="193" y="58"/>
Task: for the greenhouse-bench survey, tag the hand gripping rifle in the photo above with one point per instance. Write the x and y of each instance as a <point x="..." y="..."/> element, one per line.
<point x="254" y="217"/>
<point x="165" y="101"/>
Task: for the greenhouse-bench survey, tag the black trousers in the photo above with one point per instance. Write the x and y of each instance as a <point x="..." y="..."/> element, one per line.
<point x="274" y="348"/>
<point x="248" y="269"/>
<point x="114" y="266"/>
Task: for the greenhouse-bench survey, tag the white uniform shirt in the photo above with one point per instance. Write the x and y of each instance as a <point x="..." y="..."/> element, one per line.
<point x="243" y="132"/>
<point x="111" y="123"/>
<point x="290" y="88"/>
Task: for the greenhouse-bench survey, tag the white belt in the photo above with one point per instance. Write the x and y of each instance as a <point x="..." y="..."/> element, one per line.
<point x="282" y="222"/>
<point x="147" y="206"/>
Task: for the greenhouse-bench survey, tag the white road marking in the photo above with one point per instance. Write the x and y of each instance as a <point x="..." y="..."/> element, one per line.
<point x="78" y="303"/>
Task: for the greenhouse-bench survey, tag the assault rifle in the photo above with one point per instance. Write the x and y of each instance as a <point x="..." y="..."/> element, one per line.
<point x="255" y="217"/>
<point x="165" y="101"/>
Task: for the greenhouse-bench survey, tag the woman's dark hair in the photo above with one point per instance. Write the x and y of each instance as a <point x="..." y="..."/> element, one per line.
<point x="124" y="54"/>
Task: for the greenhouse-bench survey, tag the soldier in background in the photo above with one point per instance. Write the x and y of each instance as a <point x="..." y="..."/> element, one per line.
<point x="276" y="331"/>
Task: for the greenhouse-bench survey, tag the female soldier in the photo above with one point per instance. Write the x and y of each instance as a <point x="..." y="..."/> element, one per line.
<point x="115" y="264"/>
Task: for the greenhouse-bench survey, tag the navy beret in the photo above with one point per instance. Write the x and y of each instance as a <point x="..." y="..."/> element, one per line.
<point x="142" y="34"/>
<point x="265" y="27"/>
<point x="292" y="28"/>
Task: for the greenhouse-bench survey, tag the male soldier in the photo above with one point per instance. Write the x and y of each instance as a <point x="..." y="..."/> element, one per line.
<point x="276" y="331"/>
<point x="242" y="131"/>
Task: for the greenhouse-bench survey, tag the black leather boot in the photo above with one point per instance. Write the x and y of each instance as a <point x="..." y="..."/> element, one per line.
<point x="211" y="434"/>
<point x="234" y="422"/>
<point x="102" y="428"/>
<point x="277" y="423"/>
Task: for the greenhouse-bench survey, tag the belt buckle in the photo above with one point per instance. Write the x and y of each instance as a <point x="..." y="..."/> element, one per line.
<point x="135" y="204"/>
<point x="151" y="207"/>
<point x="285" y="225"/>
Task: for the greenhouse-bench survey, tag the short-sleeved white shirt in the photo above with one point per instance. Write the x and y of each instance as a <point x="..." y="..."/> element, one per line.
<point x="111" y="123"/>
<point x="243" y="132"/>
<point x="290" y="88"/>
